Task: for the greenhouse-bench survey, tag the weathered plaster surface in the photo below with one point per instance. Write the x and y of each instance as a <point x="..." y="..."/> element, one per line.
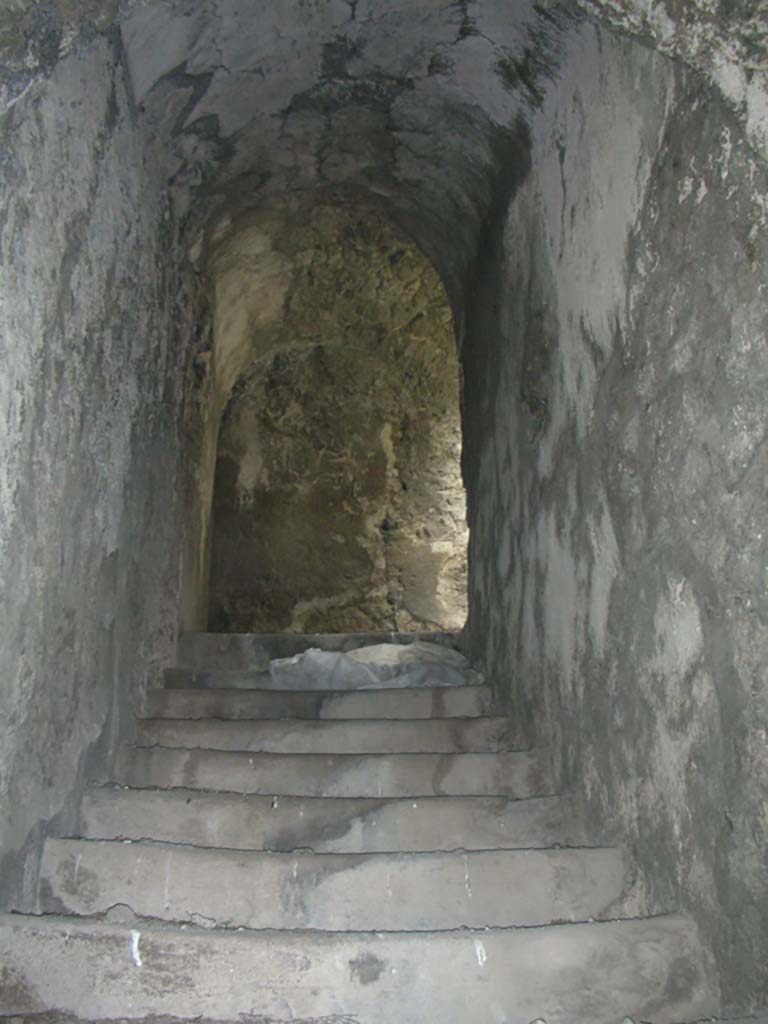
<point x="624" y="430"/>
<point x="724" y="40"/>
<point x="88" y="445"/>
<point x="338" y="503"/>
<point x="36" y="34"/>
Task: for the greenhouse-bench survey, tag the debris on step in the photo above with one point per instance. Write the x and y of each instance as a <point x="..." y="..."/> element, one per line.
<point x="393" y="665"/>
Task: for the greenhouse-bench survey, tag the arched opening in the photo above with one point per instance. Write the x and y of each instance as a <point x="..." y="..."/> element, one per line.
<point x="329" y="484"/>
<point x="338" y="504"/>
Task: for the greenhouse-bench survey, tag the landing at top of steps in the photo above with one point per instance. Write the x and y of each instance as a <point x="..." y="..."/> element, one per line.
<point x="254" y="651"/>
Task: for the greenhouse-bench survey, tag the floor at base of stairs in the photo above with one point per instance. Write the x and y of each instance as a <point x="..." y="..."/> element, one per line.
<point x="54" y="1017"/>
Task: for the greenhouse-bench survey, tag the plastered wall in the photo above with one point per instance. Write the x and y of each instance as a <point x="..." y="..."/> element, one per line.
<point x="617" y="479"/>
<point x="91" y="392"/>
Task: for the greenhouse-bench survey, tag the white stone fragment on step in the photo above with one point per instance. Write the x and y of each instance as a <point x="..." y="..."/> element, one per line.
<point x="135" y="955"/>
<point x="390" y="665"/>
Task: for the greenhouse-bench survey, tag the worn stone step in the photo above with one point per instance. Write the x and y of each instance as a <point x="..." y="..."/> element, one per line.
<point x="332" y="891"/>
<point x="437" y="735"/>
<point x="325" y="824"/>
<point x="518" y="774"/>
<point x="650" y="970"/>
<point x="249" y="679"/>
<point x="435" y="702"/>
<point x="255" y="650"/>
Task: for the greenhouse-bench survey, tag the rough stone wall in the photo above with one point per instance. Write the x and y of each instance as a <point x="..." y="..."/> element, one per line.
<point x="89" y="405"/>
<point x="621" y="435"/>
<point x="338" y="503"/>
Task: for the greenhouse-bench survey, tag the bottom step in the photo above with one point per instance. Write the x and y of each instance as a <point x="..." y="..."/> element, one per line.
<point x="652" y="970"/>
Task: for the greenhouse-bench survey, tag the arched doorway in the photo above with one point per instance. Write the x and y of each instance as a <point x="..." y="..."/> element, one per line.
<point x="338" y="504"/>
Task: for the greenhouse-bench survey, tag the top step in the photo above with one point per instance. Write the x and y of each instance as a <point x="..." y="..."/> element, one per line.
<point x="254" y="651"/>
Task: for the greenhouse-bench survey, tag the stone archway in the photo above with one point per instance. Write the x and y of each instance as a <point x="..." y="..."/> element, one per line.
<point x="338" y="503"/>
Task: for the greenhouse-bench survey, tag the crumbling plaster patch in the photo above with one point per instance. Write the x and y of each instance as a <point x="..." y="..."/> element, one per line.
<point x="412" y="105"/>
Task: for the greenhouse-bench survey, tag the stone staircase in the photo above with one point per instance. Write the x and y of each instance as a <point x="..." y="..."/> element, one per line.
<point x="371" y="857"/>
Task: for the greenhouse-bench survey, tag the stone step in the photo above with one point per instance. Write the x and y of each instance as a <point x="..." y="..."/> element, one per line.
<point x="249" y="679"/>
<point x="518" y="774"/>
<point x="255" y="650"/>
<point x="650" y="970"/>
<point x="332" y="891"/>
<point x="435" y="702"/>
<point x="325" y="824"/>
<point x="430" y="736"/>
